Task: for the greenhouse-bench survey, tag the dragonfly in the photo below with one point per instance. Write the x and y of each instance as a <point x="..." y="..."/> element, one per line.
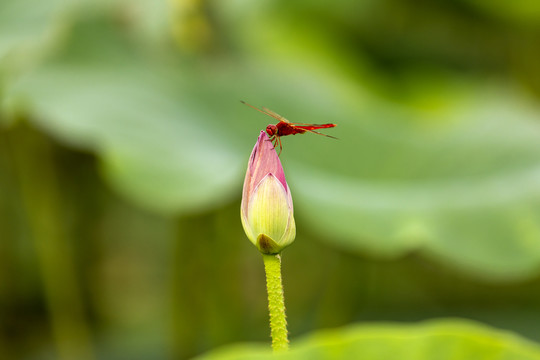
<point x="284" y="127"/>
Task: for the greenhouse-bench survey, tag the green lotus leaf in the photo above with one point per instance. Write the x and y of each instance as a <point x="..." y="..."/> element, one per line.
<point x="440" y="339"/>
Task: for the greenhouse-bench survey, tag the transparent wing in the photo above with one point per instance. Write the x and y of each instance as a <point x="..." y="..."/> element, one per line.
<point x="318" y="133"/>
<point x="275" y="115"/>
<point x="266" y="111"/>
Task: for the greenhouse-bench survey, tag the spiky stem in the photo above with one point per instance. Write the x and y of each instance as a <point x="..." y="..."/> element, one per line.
<point x="276" y="302"/>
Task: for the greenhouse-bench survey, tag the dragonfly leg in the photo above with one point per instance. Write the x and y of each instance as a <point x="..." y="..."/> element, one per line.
<point x="278" y="140"/>
<point x="275" y="141"/>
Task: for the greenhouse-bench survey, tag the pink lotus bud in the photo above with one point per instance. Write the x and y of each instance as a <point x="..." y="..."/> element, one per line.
<point x="267" y="208"/>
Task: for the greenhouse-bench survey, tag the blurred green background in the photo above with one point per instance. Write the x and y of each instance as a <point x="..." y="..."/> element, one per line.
<point x="123" y="147"/>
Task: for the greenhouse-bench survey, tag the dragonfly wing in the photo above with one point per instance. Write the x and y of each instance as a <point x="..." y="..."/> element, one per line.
<point x="318" y="133"/>
<point x="275" y="115"/>
<point x="265" y="111"/>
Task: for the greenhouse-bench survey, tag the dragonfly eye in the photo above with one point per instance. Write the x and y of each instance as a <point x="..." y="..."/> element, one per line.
<point x="271" y="130"/>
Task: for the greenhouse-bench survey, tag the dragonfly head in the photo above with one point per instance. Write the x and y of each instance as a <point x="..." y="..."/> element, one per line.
<point x="271" y="130"/>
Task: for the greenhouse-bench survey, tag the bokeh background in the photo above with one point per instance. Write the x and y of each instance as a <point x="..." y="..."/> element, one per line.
<point x="123" y="147"/>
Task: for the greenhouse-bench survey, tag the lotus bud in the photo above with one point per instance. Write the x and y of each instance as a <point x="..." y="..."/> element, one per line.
<point x="267" y="208"/>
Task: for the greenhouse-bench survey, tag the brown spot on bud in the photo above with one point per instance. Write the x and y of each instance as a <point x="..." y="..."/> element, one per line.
<point x="267" y="246"/>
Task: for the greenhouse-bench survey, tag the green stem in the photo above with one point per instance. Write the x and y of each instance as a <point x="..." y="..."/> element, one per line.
<point x="276" y="302"/>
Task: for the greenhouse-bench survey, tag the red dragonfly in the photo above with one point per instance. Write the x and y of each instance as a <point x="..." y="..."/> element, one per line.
<point x="284" y="127"/>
